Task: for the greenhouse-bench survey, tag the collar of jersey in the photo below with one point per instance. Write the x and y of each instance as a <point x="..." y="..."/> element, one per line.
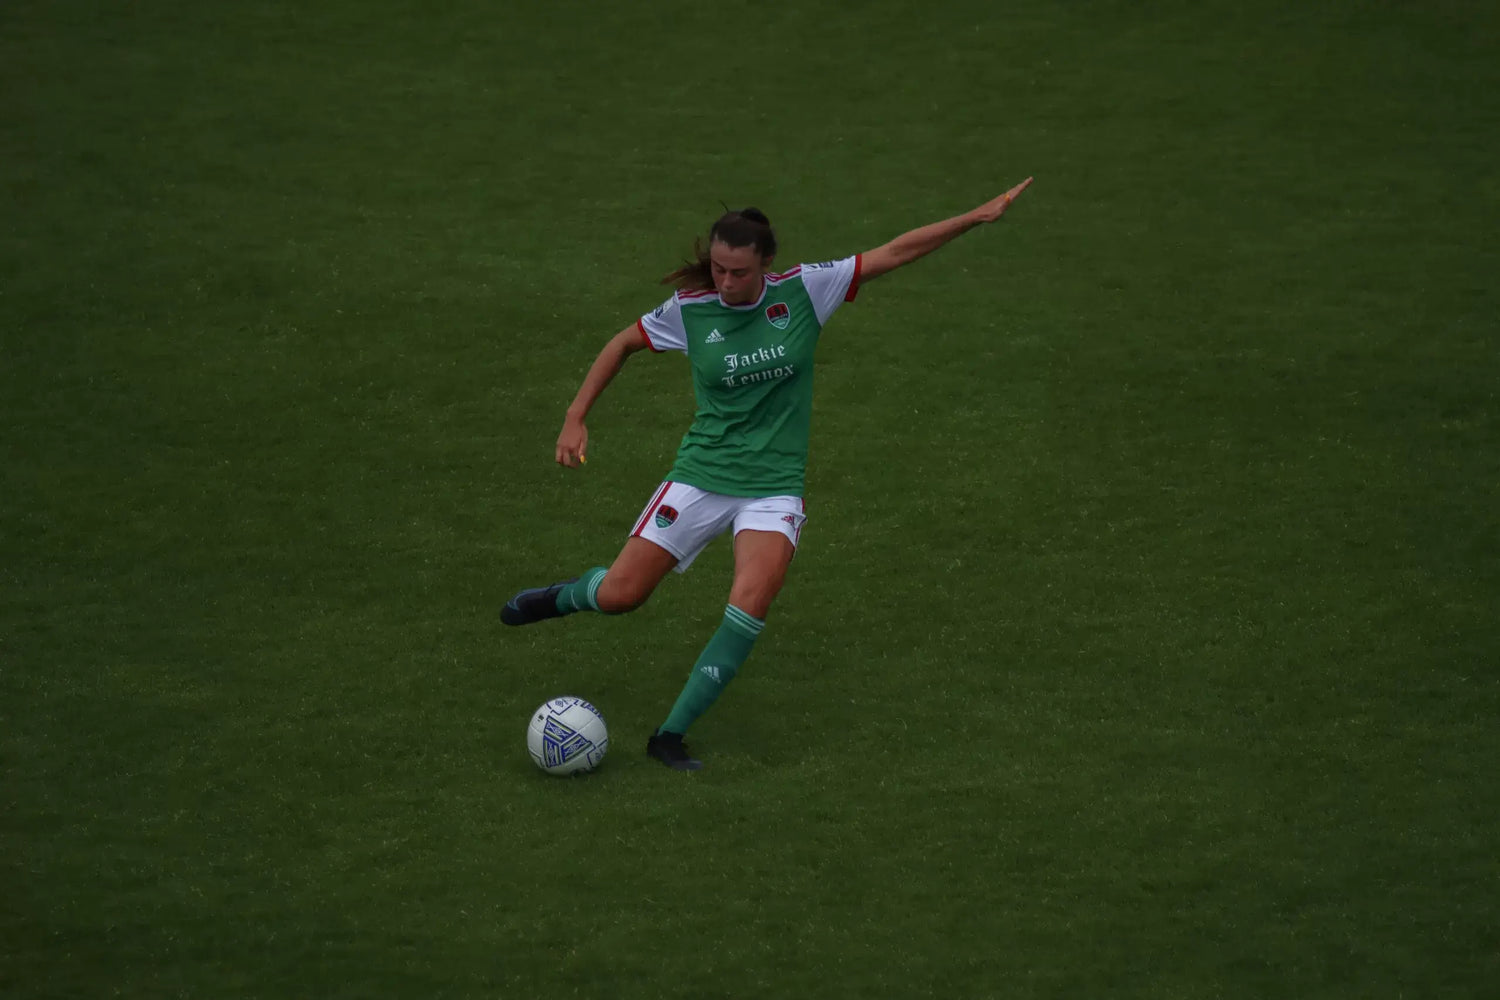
<point x="764" y="287"/>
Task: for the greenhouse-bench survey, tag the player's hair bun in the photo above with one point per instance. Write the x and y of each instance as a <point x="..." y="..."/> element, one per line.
<point x="755" y="215"/>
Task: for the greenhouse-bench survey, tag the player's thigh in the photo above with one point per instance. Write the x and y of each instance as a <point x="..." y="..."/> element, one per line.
<point x="684" y="519"/>
<point x="761" y="560"/>
<point x="634" y="574"/>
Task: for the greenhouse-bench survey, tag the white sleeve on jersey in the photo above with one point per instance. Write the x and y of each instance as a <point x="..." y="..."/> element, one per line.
<point x="662" y="327"/>
<point x="831" y="284"/>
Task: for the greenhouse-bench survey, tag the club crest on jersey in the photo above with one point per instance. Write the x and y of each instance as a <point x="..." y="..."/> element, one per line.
<point x="665" y="516"/>
<point x="779" y="315"/>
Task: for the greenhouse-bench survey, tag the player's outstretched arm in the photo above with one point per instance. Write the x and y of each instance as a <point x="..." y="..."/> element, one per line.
<point x="920" y="242"/>
<point x="573" y="442"/>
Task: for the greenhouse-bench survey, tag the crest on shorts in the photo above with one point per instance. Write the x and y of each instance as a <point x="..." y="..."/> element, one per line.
<point x="665" y="516"/>
<point x="779" y="315"/>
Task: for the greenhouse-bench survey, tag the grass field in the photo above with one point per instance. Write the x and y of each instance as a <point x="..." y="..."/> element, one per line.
<point x="1143" y="641"/>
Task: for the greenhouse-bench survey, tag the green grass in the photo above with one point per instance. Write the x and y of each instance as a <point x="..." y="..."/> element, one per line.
<point x="1143" y="639"/>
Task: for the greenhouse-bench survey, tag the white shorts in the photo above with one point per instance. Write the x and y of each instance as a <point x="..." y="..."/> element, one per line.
<point x="683" y="519"/>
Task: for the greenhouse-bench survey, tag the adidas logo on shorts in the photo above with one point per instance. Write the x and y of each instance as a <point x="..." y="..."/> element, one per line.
<point x="715" y="338"/>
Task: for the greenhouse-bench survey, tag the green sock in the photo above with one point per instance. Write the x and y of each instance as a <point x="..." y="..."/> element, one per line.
<point x="719" y="662"/>
<point x="579" y="595"/>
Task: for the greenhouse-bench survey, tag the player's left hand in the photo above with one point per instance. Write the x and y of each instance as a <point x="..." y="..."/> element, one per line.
<point x="992" y="210"/>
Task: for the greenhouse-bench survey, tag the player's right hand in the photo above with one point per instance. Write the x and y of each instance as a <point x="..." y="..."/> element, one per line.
<point x="572" y="443"/>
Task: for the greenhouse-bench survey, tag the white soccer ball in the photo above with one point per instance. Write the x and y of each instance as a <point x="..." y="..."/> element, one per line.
<point x="567" y="736"/>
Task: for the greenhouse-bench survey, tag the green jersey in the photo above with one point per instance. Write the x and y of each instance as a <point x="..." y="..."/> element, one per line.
<point x="752" y="377"/>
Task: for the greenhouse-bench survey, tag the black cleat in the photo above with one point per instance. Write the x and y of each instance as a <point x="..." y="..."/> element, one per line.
<point x="669" y="749"/>
<point x="533" y="605"/>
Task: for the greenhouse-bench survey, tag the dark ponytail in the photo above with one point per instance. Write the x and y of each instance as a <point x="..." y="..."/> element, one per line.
<point x="748" y="227"/>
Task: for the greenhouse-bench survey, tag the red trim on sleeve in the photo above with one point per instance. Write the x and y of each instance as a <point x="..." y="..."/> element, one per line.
<point x="859" y="260"/>
<point x="642" y="327"/>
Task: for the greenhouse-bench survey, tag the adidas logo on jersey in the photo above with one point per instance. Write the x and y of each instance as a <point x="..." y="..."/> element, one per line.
<point x="715" y="338"/>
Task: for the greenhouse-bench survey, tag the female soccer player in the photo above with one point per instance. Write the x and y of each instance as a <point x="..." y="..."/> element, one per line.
<point x="749" y="336"/>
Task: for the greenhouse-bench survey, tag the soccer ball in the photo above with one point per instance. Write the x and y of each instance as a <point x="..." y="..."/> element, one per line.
<point x="567" y="736"/>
